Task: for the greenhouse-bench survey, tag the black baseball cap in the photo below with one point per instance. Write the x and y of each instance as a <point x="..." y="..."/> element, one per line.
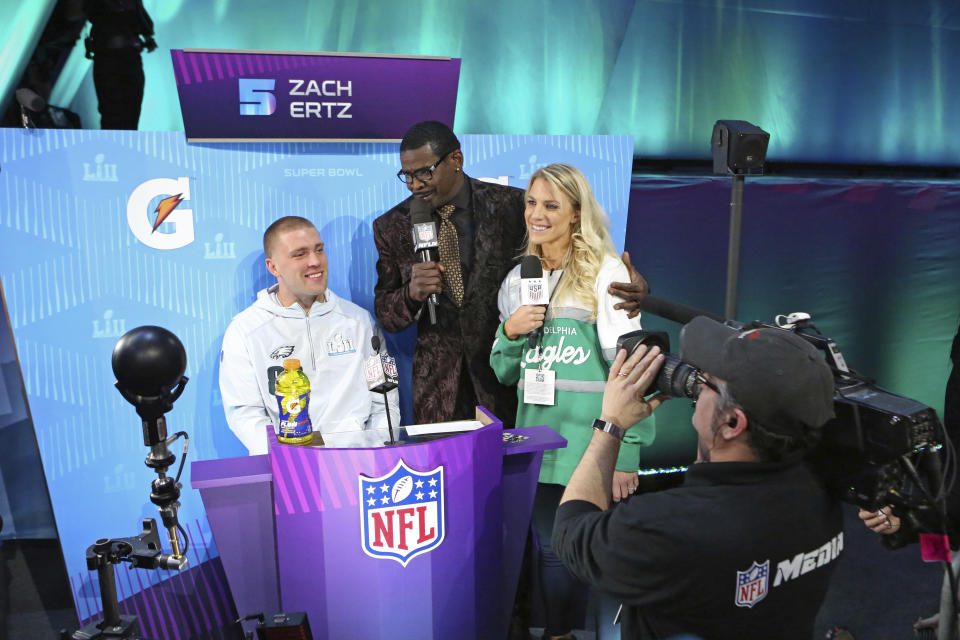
<point x="779" y="379"/>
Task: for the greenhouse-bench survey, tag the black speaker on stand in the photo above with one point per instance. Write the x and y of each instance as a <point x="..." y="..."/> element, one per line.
<point x="739" y="149"/>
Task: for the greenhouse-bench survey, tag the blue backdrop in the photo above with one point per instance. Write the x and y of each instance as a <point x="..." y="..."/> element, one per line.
<point x="79" y="267"/>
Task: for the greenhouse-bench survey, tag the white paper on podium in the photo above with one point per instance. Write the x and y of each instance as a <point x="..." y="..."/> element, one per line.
<point x="456" y="426"/>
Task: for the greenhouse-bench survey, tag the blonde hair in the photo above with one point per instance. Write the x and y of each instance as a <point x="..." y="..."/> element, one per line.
<point x="590" y="239"/>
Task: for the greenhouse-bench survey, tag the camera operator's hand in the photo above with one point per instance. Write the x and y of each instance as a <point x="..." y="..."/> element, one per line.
<point x="425" y="278"/>
<point x="624" y="484"/>
<point x="623" y="402"/>
<point x="524" y="320"/>
<point x="882" y="521"/>
<point x="631" y="292"/>
<point x="933" y="622"/>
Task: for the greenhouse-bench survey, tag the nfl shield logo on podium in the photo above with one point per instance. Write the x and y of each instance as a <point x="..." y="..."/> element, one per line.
<point x="401" y="513"/>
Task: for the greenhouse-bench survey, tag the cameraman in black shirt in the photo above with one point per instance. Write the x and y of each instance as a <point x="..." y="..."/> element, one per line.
<point x="744" y="548"/>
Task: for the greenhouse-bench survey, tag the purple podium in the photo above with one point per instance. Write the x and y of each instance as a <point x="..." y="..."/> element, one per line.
<point x="419" y="540"/>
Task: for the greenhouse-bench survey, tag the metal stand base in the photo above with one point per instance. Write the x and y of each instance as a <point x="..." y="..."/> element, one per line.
<point x="127" y="629"/>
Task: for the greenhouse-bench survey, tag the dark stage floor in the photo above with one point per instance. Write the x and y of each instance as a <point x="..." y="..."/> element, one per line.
<point x="876" y="593"/>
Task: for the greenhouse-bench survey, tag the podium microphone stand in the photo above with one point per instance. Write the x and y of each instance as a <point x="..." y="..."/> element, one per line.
<point x="381" y="371"/>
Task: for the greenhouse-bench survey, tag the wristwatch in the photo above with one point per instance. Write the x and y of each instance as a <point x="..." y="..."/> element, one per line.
<point x="609" y="427"/>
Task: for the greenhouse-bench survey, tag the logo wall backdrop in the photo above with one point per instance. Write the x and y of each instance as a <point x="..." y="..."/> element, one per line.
<point x="104" y="231"/>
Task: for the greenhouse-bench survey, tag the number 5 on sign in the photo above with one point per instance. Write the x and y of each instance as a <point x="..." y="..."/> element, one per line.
<point x="255" y="96"/>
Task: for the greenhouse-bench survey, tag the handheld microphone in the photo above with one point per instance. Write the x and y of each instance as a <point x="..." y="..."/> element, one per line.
<point x="674" y="310"/>
<point x="534" y="289"/>
<point x="424" y="242"/>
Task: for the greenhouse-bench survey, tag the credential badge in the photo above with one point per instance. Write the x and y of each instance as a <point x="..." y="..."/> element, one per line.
<point x="402" y="513"/>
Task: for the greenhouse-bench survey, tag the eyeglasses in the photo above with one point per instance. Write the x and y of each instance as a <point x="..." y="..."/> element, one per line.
<point x="424" y="174"/>
<point x="700" y="379"/>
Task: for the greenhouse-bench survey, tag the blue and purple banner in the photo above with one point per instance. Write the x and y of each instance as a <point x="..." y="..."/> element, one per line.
<point x="269" y="95"/>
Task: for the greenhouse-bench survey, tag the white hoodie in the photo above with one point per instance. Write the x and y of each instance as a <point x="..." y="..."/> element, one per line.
<point x="332" y="342"/>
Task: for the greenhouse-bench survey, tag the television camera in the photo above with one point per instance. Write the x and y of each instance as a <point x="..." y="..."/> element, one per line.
<point x="880" y="448"/>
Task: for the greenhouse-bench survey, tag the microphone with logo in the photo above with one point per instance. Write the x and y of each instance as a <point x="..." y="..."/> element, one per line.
<point x="534" y="289"/>
<point x="382" y="378"/>
<point x="424" y="242"/>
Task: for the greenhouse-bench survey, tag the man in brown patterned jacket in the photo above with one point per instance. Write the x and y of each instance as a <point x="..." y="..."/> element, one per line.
<point x="451" y="362"/>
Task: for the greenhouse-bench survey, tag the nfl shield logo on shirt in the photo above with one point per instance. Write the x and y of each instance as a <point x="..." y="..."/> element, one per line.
<point x="401" y="513"/>
<point x="752" y="584"/>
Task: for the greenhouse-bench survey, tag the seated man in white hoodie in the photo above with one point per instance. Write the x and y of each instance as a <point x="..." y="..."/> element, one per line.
<point x="300" y="318"/>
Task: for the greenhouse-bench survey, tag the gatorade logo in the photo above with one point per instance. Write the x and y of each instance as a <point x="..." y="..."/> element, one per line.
<point x="157" y="202"/>
<point x="293" y="406"/>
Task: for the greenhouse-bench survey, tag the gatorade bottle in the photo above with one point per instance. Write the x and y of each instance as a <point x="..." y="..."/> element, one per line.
<point x="293" y="397"/>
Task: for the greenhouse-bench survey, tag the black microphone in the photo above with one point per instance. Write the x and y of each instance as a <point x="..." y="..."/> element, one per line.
<point x="424" y="242"/>
<point x="533" y="290"/>
<point x="382" y="377"/>
<point x="381" y="370"/>
<point x="674" y="310"/>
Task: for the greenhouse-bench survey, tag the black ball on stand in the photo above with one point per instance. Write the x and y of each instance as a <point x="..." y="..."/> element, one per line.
<point x="148" y="361"/>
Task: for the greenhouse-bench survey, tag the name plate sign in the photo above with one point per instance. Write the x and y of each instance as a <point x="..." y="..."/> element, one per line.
<point x="236" y="96"/>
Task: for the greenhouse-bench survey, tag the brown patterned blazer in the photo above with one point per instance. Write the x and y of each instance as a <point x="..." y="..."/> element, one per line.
<point x="500" y="236"/>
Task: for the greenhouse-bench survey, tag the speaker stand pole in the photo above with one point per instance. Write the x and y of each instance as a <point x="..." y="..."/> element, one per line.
<point x="733" y="251"/>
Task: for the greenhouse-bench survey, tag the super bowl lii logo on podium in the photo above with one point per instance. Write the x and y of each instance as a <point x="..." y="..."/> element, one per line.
<point x="401" y="513"/>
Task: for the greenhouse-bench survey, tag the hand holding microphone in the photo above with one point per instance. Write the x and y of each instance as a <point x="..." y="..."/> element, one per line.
<point x="426" y="281"/>
<point x="534" y="298"/>
<point x="528" y="320"/>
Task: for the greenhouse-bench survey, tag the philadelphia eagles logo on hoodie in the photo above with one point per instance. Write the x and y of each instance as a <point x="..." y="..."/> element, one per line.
<point x="282" y="352"/>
